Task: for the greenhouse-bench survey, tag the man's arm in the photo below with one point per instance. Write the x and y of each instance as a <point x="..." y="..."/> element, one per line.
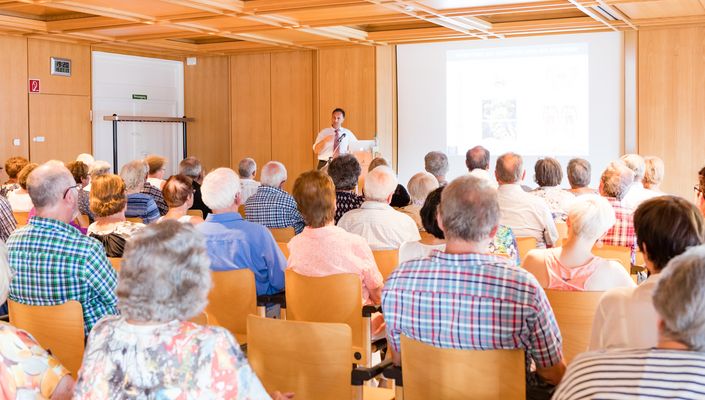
<point x="322" y="140"/>
<point x="102" y="277"/>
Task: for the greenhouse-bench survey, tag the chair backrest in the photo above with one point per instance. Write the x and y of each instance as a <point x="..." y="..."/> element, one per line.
<point x="387" y="261"/>
<point x="562" y="228"/>
<point x="116" y="263"/>
<point x="426" y="235"/>
<point x="204" y="319"/>
<point x="83" y="220"/>
<point x="283" y="235"/>
<point x="241" y="210"/>
<point x="574" y="313"/>
<point x="524" y="244"/>
<point x="309" y="359"/>
<point x="334" y="298"/>
<point x="21" y="217"/>
<point x="284" y="248"/>
<point x="435" y="373"/>
<point x="195" y="213"/>
<point x="623" y="254"/>
<point x="231" y="299"/>
<point x="136" y="220"/>
<point x="57" y="328"/>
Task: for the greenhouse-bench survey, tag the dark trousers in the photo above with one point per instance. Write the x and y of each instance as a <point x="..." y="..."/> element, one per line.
<point x="321" y="164"/>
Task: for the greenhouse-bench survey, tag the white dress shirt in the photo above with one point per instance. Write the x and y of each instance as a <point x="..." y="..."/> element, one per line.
<point x="327" y="150"/>
<point x="637" y="194"/>
<point x="249" y="187"/>
<point x="484" y="175"/>
<point x="382" y="226"/>
<point x="526" y="214"/>
<point x="626" y="317"/>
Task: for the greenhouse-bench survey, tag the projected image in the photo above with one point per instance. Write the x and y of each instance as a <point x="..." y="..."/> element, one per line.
<point x="499" y="119"/>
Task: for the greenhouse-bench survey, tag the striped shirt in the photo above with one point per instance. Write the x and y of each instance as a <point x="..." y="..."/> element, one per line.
<point x="7" y="219"/>
<point x="273" y="208"/>
<point x="52" y="262"/>
<point x="471" y="301"/>
<point x="632" y="373"/>
<point x="140" y="205"/>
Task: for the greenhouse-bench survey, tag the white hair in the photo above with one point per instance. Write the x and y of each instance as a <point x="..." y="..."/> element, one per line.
<point x="220" y="188"/>
<point x="99" y="167"/>
<point x="591" y="216"/>
<point x="636" y="163"/>
<point x="86" y="159"/>
<point x="380" y="183"/>
<point x="420" y="185"/>
<point x="273" y="174"/>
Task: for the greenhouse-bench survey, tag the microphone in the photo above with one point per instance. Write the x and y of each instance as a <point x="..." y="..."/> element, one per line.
<point x="340" y="138"/>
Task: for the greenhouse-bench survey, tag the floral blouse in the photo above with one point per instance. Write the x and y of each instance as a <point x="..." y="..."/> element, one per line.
<point x="505" y="244"/>
<point x="175" y="360"/>
<point x="27" y="371"/>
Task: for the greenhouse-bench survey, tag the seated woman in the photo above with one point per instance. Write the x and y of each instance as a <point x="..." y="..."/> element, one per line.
<point x="27" y="371"/>
<point x="503" y="244"/>
<point x="573" y="266"/>
<point x="79" y="170"/>
<point x="13" y="166"/>
<point x="139" y="205"/>
<point x="108" y="204"/>
<point x="345" y="171"/>
<point x="19" y="198"/>
<point x="157" y="168"/>
<point x="653" y="175"/>
<point x="178" y="194"/>
<point x="548" y="175"/>
<point x="420" y="185"/>
<point x="152" y="347"/>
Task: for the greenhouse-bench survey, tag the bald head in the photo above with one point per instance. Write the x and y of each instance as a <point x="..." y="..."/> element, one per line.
<point x="477" y="158"/>
<point x="273" y="174"/>
<point x="47" y="183"/>
<point x="380" y="184"/>
<point x="509" y="168"/>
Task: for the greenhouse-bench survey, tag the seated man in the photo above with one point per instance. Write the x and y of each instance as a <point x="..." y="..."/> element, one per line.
<point x="234" y="243"/>
<point x="614" y="184"/>
<point x="8" y="223"/>
<point x="467" y="298"/>
<point x="192" y="168"/>
<point x="477" y="160"/>
<point x="52" y="261"/>
<point x="139" y="204"/>
<point x="674" y="368"/>
<point x="526" y="214"/>
<point x="247" y="169"/>
<point x="271" y="206"/>
<point x="436" y="164"/>
<point x="382" y="226"/>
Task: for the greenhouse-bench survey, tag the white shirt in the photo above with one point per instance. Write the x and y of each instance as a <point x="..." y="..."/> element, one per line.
<point x="327" y="150"/>
<point x="637" y="194"/>
<point x="526" y="214"/>
<point x="19" y="202"/>
<point x="382" y="226"/>
<point x="626" y="317"/>
<point x="249" y="187"/>
<point x="156" y="182"/>
<point x="484" y="175"/>
<point x="415" y="250"/>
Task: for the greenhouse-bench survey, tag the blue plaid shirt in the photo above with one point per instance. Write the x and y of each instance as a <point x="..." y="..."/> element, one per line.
<point x="273" y="208"/>
<point x="52" y="262"/>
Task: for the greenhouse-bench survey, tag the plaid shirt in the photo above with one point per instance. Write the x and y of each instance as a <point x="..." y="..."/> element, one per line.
<point x="8" y="223"/>
<point x="157" y="196"/>
<point x="622" y="233"/>
<point x="273" y="208"/>
<point x="471" y="301"/>
<point x="52" y="262"/>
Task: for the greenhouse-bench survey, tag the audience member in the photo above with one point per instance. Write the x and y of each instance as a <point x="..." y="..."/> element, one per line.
<point x="573" y="266"/>
<point x="636" y="193"/>
<point x="614" y="183"/>
<point x="8" y="223"/>
<point x="548" y="175"/>
<point x="271" y="206"/>
<point x="700" y="191"/>
<point x="401" y="197"/>
<point x="99" y="167"/>
<point x="382" y="226"/>
<point x="157" y="169"/>
<point x="502" y="307"/>
<point x="152" y="347"/>
<point x="247" y="169"/>
<point x="19" y="199"/>
<point x="192" y="168"/>
<point x="234" y="243"/>
<point x="579" y="174"/>
<point x="13" y="166"/>
<point x="525" y="214"/>
<point x="86" y="158"/>
<point x="28" y="371"/>
<point x="420" y="185"/>
<point x="108" y="201"/>
<point x="156" y="194"/>
<point x="178" y="194"/>
<point x="674" y="367"/>
<point x="436" y="164"/>
<point x="653" y="175"/>
<point x="345" y="172"/>
<point x="73" y="266"/>
<point x="139" y="205"/>
<point x="477" y="160"/>
<point x="665" y="227"/>
<point x="79" y="170"/>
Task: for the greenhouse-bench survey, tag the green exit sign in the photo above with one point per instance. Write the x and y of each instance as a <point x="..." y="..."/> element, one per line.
<point x="139" y="97"/>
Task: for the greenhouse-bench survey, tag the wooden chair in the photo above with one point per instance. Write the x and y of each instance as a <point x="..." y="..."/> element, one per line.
<point x="283" y="235"/>
<point x="284" y="248"/>
<point x="21" y="217"/>
<point x="136" y="220"/>
<point x="195" y="213"/>
<point x="204" y="319"/>
<point x="241" y="210"/>
<point x="83" y="220"/>
<point x="622" y="254"/>
<point x="435" y="373"/>
<point x="427" y="236"/>
<point x="562" y="228"/>
<point x="335" y="299"/>
<point x="232" y="298"/>
<point x="524" y="244"/>
<point x="116" y="263"/>
<point x="574" y="313"/>
<point x="58" y="328"/>
<point x="387" y="261"/>
<point x="280" y="353"/>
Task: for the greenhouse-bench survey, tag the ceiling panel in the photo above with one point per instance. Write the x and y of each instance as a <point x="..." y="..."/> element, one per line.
<point x="662" y="9"/>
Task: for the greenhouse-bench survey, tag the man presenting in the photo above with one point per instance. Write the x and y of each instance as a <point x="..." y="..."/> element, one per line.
<point x="334" y="140"/>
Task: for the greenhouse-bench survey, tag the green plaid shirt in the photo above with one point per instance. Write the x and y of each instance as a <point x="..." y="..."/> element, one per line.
<point x="52" y="262"/>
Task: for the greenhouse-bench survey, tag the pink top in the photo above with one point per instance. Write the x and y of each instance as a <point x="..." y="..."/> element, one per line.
<point x="561" y="277"/>
<point x="331" y="250"/>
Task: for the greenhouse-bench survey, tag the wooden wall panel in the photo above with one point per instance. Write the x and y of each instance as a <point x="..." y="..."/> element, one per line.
<point x="251" y="108"/>
<point x="62" y="122"/>
<point x="13" y="99"/>
<point x="39" y="55"/>
<point x="671" y="100"/>
<point x="346" y="79"/>
<point x="292" y="112"/>
<point x="207" y="99"/>
<point x="386" y="63"/>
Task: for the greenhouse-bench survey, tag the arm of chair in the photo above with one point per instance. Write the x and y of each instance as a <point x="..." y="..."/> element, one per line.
<point x="394" y="372"/>
<point x="361" y="374"/>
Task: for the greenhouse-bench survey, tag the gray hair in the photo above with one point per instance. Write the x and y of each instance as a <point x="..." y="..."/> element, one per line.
<point x="653" y="174"/>
<point x="134" y="174"/>
<point x="220" y="188"/>
<point x="591" y="216"/>
<point x="636" y="163"/>
<point x="380" y="184"/>
<point x="99" y="167"/>
<point x="420" y="185"/>
<point x="246" y="168"/>
<point x="469" y="209"/>
<point x="5" y="273"/>
<point x="578" y="171"/>
<point x="273" y="174"/>
<point x="616" y="179"/>
<point x="477" y="157"/>
<point x="86" y="159"/>
<point x="165" y="274"/>
<point x="344" y="171"/>
<point x="679" y="298"/>
<point x="509" y="168"/>
<point x="191" y="167"/>
<point x="436" y="163"/>
<point x="48" y="182"/>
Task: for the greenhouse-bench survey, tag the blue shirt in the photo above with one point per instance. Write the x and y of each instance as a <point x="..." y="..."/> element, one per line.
<point x="234" y="243"/>
<point x="140" y="205"/>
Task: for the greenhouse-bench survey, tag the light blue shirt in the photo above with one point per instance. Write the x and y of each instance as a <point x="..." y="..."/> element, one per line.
<point x="234" y="243"/>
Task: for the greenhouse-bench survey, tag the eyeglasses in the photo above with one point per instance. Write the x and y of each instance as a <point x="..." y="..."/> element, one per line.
<point x="699" y="189"/>
<point x="76" y="186"/>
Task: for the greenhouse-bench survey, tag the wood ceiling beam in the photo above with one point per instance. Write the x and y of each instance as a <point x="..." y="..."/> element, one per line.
<point x="88" y="24"/>
<point x="593" y="14"/>
<point x="23" y="23"/>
